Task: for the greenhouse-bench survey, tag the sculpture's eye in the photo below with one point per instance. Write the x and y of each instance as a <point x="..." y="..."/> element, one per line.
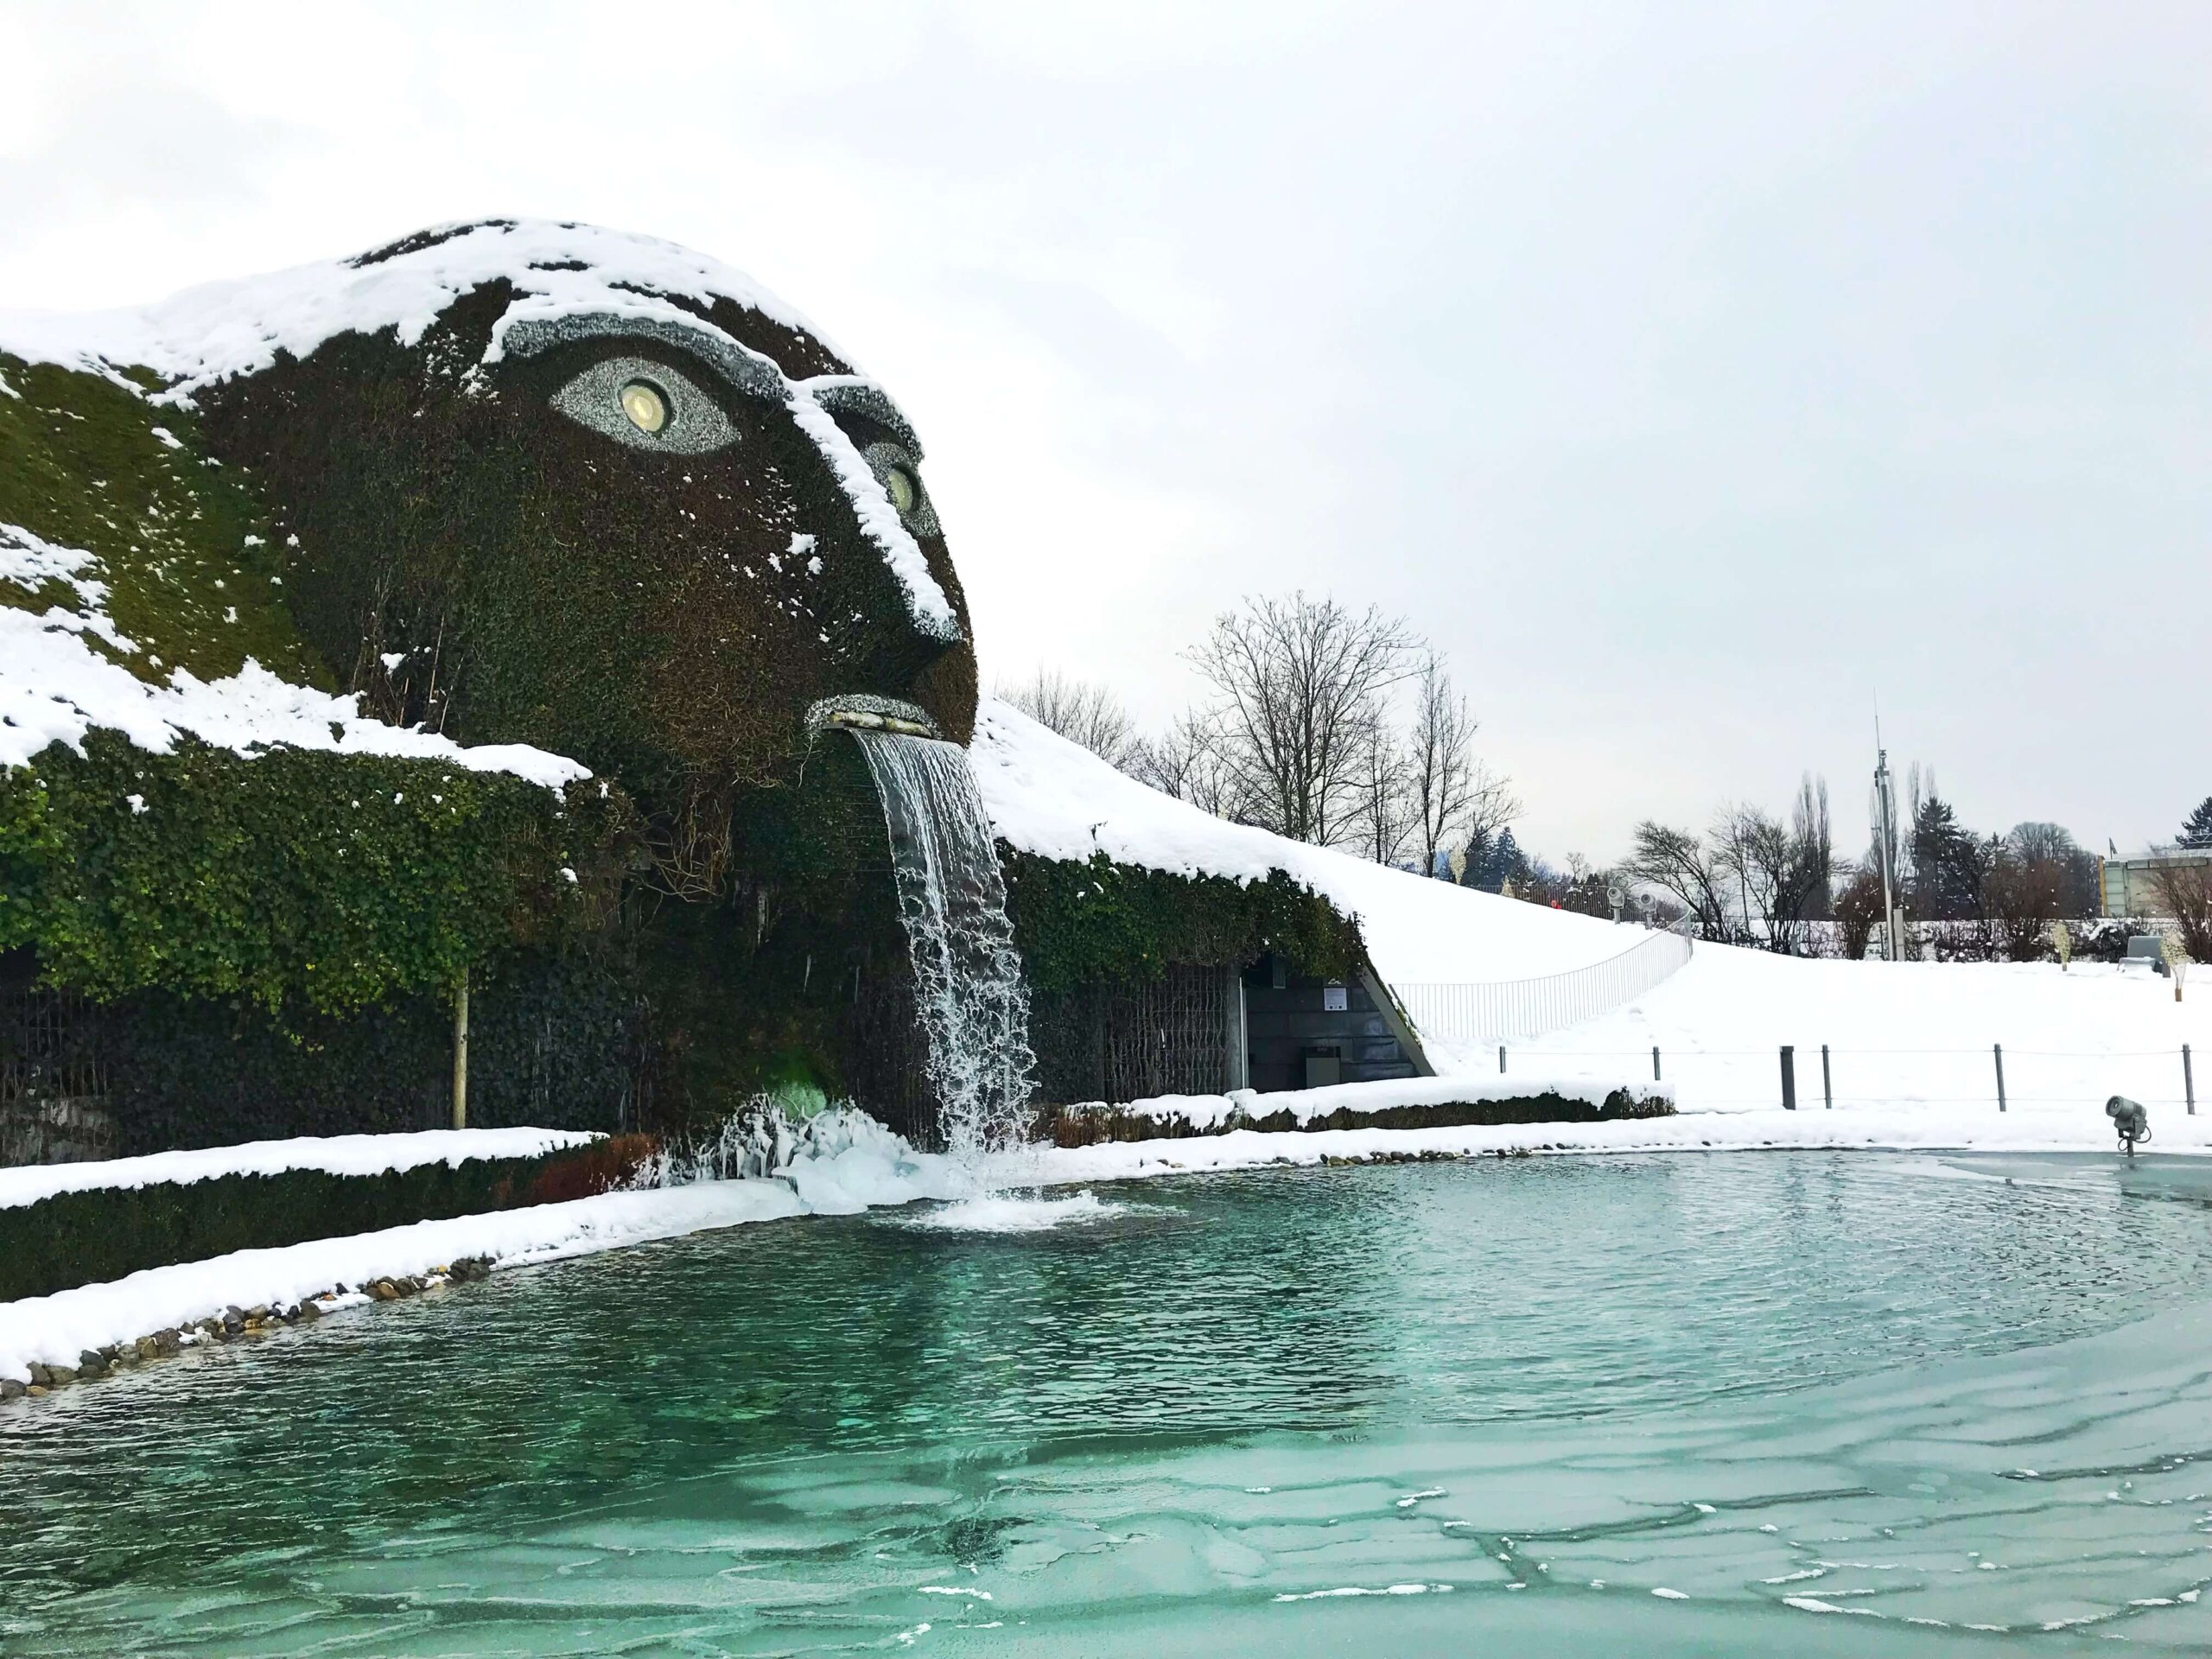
<point x="902" y="481"/>
<point x="646" y="406"/>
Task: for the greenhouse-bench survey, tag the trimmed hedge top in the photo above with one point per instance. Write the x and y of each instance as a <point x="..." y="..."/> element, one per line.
<point x="1095" y="922"/>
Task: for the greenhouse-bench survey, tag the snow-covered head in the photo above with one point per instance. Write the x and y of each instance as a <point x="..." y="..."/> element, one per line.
<point x="560" y="486"/>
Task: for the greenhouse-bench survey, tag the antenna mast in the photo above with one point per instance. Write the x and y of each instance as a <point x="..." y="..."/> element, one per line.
<point x="1886" y="807"/>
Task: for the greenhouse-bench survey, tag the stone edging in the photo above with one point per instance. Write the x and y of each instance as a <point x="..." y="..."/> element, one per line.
<point x="235" y="1324"/>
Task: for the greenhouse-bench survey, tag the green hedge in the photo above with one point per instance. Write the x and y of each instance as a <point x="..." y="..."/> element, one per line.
<point x="1099" y="922"/>
<point x="297" y="878"/>
<point x="104" y="1233"/>
<point x="1069" y="1126"/>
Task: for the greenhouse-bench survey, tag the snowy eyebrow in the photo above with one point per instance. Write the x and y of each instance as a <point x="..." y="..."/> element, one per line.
<point x="850" y="394"/>
<point x="747" y="370"/>
<point x="810" y="404"/>
<point x="879" y="521"/>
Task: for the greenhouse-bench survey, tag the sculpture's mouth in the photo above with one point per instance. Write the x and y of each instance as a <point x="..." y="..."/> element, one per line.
<point x="862" y="712"/>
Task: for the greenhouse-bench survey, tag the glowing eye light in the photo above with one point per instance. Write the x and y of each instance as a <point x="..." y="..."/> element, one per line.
<point x="900" y="484"/>
<point x="643" y="404"/>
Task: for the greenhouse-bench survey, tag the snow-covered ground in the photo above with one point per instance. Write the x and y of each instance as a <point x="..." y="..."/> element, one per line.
<point x="1904" y="1036"/>
<point x="55" y="685"/>
<point x="334" y="1154"/>
<point x="870" y="1167"/>
<point x="1916" y="1036"/>
<point x="1050" y="797"/>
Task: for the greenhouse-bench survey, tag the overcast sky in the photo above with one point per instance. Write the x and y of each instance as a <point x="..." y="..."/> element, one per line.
<point x="1692" y="375"/>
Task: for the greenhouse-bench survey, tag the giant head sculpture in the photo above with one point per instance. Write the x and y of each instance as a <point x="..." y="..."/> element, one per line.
<point x="514" y="484"/>
<point x="551" y="485"/>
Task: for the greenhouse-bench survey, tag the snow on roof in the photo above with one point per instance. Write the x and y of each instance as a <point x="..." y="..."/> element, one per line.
<point x="560" y="271"/>
<point x="55" y="685"/>
<point x="210" y="333"/>
<point x="1053" y="798"/>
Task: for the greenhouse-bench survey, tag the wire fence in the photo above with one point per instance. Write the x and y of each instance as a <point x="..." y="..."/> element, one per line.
<point x="1524" y="1007"/>
<point x="1817" y="1076"/>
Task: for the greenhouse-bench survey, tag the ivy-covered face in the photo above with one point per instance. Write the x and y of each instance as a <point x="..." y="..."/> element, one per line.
<point x="653" y="542"/>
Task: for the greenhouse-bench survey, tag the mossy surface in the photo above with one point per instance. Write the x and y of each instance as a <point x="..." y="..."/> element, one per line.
<point x="184" y="543"/>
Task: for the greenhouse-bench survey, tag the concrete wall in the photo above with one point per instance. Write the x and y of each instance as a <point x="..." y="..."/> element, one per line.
<point x="1295" y="1037"/>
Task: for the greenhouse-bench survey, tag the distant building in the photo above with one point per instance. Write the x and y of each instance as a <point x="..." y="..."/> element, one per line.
<point x="2129" y="887"/>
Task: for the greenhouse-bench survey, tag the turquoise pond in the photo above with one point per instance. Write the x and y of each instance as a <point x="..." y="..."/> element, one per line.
<point x="1719" y="1403"/>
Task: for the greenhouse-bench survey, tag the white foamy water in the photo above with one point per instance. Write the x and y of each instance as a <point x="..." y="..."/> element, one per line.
<point x="968" y="989"/>
<point x="1007" y="1212"/>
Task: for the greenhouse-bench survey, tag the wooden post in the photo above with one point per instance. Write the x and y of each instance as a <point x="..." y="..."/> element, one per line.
<point x="1789" y="1079"/>
<point x="460" y="1054"/>
<point x="1827" y="1088"/>
<point x="1998" y="1048"/>
<point x="1655" y="1062"/>
<point x="1500" y="1059"/>
<point x="2188" y="1081"/>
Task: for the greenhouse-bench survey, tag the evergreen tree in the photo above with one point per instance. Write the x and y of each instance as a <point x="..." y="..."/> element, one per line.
<point x="1489" y="865"/>
<point x="1946" y="862"/>
<point x="2196" y="828"/>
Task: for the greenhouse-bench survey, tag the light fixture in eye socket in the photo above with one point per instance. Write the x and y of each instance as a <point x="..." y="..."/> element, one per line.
<point x="904" y="492"/>
<point x="893" y="466"/>
<point x="645" y="405"/>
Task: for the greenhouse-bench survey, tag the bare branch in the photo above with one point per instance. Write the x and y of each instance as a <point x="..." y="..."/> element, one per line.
<point x="1296" y="683"/>
<point x="1082" y="711"/>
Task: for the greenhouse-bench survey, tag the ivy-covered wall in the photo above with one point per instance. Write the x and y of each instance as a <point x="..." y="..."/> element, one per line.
<point x="319" y="883"/>
<point x="1101" y="921"/>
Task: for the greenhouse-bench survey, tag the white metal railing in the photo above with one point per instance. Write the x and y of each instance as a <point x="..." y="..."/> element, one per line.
<point x="1523" y="1008"/>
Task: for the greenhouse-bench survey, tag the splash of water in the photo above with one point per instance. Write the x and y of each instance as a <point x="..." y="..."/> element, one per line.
<point x="968" y="989"/>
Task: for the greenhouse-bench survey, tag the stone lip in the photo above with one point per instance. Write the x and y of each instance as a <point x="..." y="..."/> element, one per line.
<point x="866" y="712"/>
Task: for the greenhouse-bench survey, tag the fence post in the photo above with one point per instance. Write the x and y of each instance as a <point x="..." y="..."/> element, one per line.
<point x="1655" y="1061"/>
<point x="1827" y="1088"/>
<point x="460" y="1052"/>
<point x="2188" y="1081"/>
<point x="1789" y="1079"/>
<point x="1998" y="1048"/>
<point x="1500" y="1059"/>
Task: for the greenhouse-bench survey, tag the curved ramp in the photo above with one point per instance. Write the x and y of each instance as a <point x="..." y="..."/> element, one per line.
<point x="1525" y="1008"/>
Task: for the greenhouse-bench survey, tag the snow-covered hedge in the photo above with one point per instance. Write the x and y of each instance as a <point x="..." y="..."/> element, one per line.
<point x="1415" y="1104"/>
<point x="66" y="1225"/>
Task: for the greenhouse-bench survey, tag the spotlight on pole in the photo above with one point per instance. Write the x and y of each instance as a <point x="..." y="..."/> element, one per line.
<point x="2129" y="1118"/>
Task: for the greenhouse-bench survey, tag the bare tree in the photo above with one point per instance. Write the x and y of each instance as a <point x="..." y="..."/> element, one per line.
<point x="1189" y="763"/>
<point x="2075" y="869"/>
<point x="1779" y="873"/>
<point x="1383" y="795"/>
<point x="1082" y="711"/>
<point x="2184" y="886"/>
<point x="1297" y="682"/>
<point x="2024" y="892"/>
<point x="1808" y="823"/>
<point x="1858" y="908"/>
<point x="1678" y="863"/>
<point x="1454" y="798"/>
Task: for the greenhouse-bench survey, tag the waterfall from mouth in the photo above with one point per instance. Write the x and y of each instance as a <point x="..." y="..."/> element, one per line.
<point x="968" y="990"/>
